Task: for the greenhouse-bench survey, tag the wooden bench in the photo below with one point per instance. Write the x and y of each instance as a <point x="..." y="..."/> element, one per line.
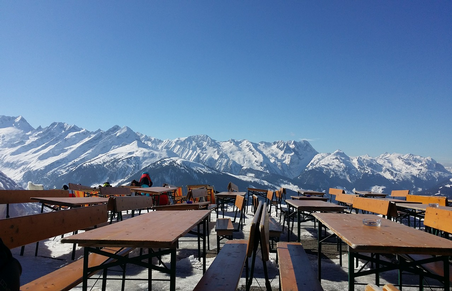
<point x="23" y="196"/>
<point x="346" y="200"/>
<point x="71" y="275"/>
<point x="377" y="206"/>
<point x="126" y="203"/>
<point x="436" y="219"/>
<point x="225" y="226"/>
<point x="20" y="231"/>
<point x="295" y="270"/>
<point x="334" y="192"/>
<point x="274" y="227"/>
<point x="399" y="194"/>
<point x="226" y="270"/>
<point x="425" y="199"/>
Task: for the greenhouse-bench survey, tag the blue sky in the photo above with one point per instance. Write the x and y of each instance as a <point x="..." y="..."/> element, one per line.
<point x="365" y="77"/>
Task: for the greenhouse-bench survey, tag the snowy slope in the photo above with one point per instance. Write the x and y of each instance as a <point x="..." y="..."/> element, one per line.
<point x="62" y="153"/>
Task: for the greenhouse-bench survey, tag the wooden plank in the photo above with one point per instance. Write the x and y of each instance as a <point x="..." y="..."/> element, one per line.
<point x="265" y="234"/>
<point x="438" y="218"/>
<point x="424" y="199"/>
<point x="345" y="198"/>
<point x="377" y="206"/>
<point x="399" y="193"/>
<point x="71" y="275"/>
<point x="253" y="239"/>
<point x="335" y="191"/>
<point x="23" y="196"/>
<point x="226" y="270"/>
<point x="372" y="287"/>
<point x="132" y="203"/>
<point x="20" y="231"/>
<point x="295" y="270"/>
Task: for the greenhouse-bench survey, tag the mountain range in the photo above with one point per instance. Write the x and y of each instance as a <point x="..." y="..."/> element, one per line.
<point x="60" y="153"/>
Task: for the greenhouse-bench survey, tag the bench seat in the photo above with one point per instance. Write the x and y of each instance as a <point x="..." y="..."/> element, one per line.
<point x="71" y="275"/>
<point x="226" y="270"/>
<point x="295" y="271"/>
<point x="224" y="229"/>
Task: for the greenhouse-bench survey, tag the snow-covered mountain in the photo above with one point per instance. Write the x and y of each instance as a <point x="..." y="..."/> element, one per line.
<point x="62" y="153"/>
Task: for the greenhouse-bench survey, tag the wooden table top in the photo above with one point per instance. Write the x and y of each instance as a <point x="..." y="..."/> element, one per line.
<point x="153" y="190"/>
<point x="156" y="229"/>
<point x="321" y="198"/>
<point x="390" y="237"/>
<point x="315" y="205"/>
<point x="71" y="201"/>
<point x="310" y="192"/>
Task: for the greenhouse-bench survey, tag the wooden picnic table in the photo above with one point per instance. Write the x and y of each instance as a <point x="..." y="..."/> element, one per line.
<point x="305" y="208"/>
<point x="153" y="230"/>
<point x="184" y="206"/>
<point x="69" y="201"/>
<point x="389" y="238"/>
<point x="225" y="197"/>
<point x="310" y="193"/>
<point x="370" y="194"/>
<point x="154" y="191"/>
<point x="255" y="191"/>
<point x="416" y="210"/>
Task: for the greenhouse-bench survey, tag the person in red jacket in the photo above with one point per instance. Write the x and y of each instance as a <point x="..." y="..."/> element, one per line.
<point x="145" y="180"/>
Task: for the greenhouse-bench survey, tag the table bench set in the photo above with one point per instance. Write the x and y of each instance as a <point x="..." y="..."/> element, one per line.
<point x="155" y="234"/>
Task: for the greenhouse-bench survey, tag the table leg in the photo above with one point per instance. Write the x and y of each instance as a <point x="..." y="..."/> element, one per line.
<point x="204" y="233"/>
<point x="319" y="252"/>
<point x="173" y="270"/>
<point x="85" y="268"/>
<point x="299" y="224"/>
<point x="351" y="270"/>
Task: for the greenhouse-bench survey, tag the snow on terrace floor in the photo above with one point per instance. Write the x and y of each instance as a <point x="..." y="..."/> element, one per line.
<point x="53" y="254"/>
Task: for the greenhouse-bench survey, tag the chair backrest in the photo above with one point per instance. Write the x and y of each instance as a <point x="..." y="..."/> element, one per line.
<point x="210" y="190"/>
<point x="232" y="187"/>
<point x="264" y="232"/>
<point x="114" y="191"/>
<point x="270" y="194"/>
<point x="399" y="193"/>
<point x="377" y="206"/>
<point x="424" y="199"/>
<point x="240" y="202"/>
<point x="438" y="218"/>
<point x="253" y="239"/>
<point x="199" y="194"/>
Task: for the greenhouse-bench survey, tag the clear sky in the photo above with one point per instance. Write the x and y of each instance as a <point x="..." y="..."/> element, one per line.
<point x="365" y="77"/>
